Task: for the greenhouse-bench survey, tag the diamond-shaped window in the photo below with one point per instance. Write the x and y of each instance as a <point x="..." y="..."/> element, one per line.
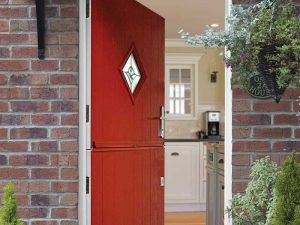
<point x="131" y="73"/>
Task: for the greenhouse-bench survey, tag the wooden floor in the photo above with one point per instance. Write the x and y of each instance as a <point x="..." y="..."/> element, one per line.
<point x="185" y="218"/>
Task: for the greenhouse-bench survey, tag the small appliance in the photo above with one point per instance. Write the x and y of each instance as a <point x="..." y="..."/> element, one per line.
<point x="212" y="124"/>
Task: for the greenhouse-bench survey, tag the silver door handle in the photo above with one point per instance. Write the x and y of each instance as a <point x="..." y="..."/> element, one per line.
<point x="162" y="122"/>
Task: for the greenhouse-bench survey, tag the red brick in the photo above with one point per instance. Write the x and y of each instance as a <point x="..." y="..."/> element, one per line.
<point x="285" y="119"/>
<point x="69" y="65"/>
<point x="64" y="79"/>
<point x="28" y="106"/>
<point x="32" y="213"/>
<point x="22" y="200"/>
<point x="260" y="119"/>
<point x="59" y="25"/>
<point x="8" y="39"/>
<point x="251" y="146"/>
<point x="45" y="119"/>
<point x="274" y="132"/>
<point x="71" y="12"/>
<point x="64" y="187"/>
<point x="69" y="93"/>
<point x="64" y="51"/>
<point x="3" y="79"/>
<point x="14" y="93"/>
<point x="64" y="106"/>
<point x="4" y="26"/>
<point x="44" y="65"/>
<point x="64" y="133"/>
<point x="22" y="25"/>
<point x="68" y="222"/>
<point x="13" y="173"/>
<point x="14" y="119"/>
<point x="291" y="93"/>
<point x="297" y="133"/>
<point x="44" y="93"/>
<point x="239" y="133"/>
<point x="69" y="119"/>
<point x="38" y="186"/>
<point x="240" y="160"/>
<point x="69" y="38"/>
<point x="25" y="133"/>
<point x="21" y="2"/>
<point x="238" y="187"/>
<point x="3" y="133"/>
<point x="69" y="146"/>
<point x="28" y="79"/>
<point x="13" y="146"/>
<point x="13" y="12"/>
<point x="44" y="200"/>
<point x="69" y="200"/>
<point x="69" y="173"/>
<point x="285" y="146"/>
<point x="4" y="52"/>
<point x="28" y="160"/>
<point x="44" y="222"/>
<point x="23" y="52"/>
<point x="238" y="93"/>
<point x="3" y="2"/>
<point x="44" y="146"/>
<point x="44" y="173"/>
<point x="3" y="160"/>
<point x="278" y="158"/>
<point x="64" y="160"/>
<point x="14" y="65"/>
<point x="3" y="106"/>
<point x="271" y="106"/>
<point x="70" y="213"/>
<point x="52" y="38"/>
<point x="240" y="172"/>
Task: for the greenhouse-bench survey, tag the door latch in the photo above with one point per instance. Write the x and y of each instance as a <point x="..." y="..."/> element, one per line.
<point x="162" y="122"/>
<point x="162" y="181"/>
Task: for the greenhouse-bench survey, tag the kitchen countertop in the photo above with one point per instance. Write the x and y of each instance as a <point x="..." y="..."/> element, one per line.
<point x="194" y="140"/>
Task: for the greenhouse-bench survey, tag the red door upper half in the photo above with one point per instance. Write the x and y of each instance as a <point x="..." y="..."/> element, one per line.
<point x="127" y="74"/>
<point x="127" y="160"/>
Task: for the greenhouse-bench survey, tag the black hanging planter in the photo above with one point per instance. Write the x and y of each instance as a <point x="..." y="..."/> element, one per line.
<point x="40" y="18"/>
<point x="264" y="67"/>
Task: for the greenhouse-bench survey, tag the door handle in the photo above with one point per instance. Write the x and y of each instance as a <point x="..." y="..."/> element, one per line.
<point x="162" y="122"/>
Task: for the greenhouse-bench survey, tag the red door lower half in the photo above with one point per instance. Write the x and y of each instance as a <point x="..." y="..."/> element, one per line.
<point x="127" y="84"/>
<point x="126" y="187"/>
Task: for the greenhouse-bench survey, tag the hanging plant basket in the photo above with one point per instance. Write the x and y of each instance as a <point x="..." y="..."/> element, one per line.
<point x="265" y="68"/>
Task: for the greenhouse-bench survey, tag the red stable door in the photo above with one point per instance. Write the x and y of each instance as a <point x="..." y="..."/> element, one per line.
<point x="127" y="95"/>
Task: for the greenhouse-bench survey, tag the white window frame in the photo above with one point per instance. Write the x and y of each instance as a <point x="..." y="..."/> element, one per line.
<point x="183" y="61"/>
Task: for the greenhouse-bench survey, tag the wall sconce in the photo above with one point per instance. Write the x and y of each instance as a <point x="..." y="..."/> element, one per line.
<point x="213" y="77"/>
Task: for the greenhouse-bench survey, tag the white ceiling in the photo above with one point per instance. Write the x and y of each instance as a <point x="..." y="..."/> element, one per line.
<point x="190" y="15"/>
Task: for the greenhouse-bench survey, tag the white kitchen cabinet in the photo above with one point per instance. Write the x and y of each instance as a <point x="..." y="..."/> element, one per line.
<point x="185" y="176"/>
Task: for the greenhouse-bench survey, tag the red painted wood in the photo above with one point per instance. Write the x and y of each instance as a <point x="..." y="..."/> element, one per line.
<point x="116" y="120"/>
<point x="127" y="156"/>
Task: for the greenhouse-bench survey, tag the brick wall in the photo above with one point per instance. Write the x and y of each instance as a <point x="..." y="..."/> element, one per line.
<point x="262" y="127"/>
<point x="39" y="110"/>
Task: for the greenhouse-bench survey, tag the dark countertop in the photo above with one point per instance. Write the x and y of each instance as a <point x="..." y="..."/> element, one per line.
<point x="195" y="140"/>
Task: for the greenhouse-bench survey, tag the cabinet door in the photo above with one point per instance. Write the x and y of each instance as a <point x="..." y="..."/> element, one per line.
<point x="182" y="173"/>
<point x="202" y="164"/>
<point x="211" y="195"/>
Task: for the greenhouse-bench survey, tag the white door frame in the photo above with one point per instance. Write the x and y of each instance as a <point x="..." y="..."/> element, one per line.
<point x="84" y="201"/>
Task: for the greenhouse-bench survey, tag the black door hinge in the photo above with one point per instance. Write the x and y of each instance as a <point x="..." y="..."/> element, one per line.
<point x="87" y="115"/>
<point x="87" y="188"/>
<point x="87" y="8"/>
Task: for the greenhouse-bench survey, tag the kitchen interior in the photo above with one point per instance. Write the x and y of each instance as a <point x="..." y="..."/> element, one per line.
<point x="194" y="107"/>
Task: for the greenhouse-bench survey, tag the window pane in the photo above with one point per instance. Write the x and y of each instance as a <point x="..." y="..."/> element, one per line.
<point x="174" y="75"/>
<point x="187" y="91"/>
<point x="177" y="109"/>
<point x="172" y="90"/>
<point x="182" y="107"/>
<point x="182" y="91"/>
<point x="171" y="106"/>
<point x="177" y="90"/>
<point x="185" y="76"/>
<point x="187" y="106"/>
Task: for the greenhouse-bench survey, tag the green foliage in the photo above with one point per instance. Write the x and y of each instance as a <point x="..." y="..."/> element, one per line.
<point x="255" y="206"/>
<point x="8" y="212"/>
<point x="287" y="191"/>
<point x="252" y="28"/>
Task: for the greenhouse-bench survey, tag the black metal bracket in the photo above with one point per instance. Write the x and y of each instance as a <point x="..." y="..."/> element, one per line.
<point x="40" y="18"/>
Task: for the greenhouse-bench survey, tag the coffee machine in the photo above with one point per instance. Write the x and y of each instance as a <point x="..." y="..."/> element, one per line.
<point x="212" y="124"/>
